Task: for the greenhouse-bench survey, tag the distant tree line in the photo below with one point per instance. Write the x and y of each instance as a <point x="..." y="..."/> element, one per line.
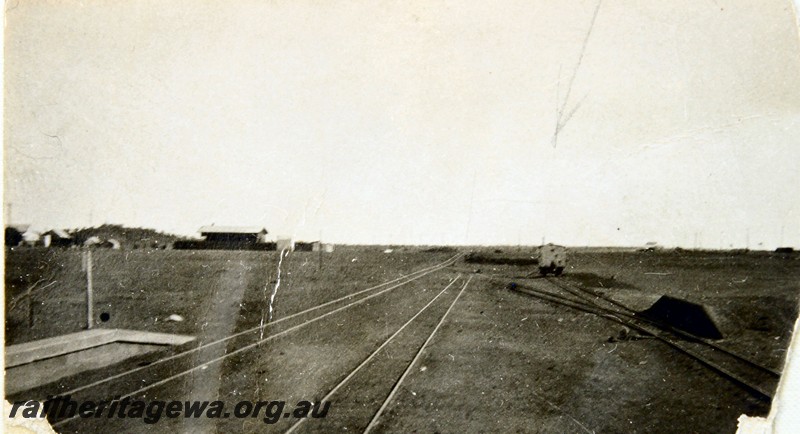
<point x="125" y="237"/>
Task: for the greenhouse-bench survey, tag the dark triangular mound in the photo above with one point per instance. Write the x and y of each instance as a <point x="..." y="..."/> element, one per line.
<point x="682" y="315"/>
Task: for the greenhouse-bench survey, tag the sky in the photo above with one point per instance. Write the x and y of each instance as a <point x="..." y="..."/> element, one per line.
<point x="413" y="122"/>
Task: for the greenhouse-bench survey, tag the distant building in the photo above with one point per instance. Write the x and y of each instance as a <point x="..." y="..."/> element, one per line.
<point x="93" y="241"/>
<point x="317" y="246"/>
<point x="302" y="246"/>
<point x="232" y="237"/>
<point x="57" y="238"/>
<point x="284" y="244"/>
<point x="31" y="238"/>
<point x="112" y="244"/>
<point x="651" y="246"/>
<point x="312" y="246"/>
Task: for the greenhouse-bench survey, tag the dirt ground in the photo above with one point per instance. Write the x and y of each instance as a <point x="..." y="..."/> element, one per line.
<point x="501" y="361"/>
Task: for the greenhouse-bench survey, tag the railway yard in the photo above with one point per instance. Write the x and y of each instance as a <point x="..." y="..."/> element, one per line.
<point x="417" y="339"/>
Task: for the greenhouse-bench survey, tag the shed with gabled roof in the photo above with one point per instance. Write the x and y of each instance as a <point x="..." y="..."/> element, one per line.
<point x="233" y="235"/>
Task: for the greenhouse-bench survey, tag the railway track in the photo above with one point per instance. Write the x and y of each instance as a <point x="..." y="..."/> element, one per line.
<point x="758" y="380"/>
<point x="186" y="362"/>
<point x="361" y="370"/>
<point x="630" y="313"/>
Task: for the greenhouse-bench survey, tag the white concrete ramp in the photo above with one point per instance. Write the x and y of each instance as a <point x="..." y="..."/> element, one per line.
<point x="41" y="362"/>
<point x="56" y="346"/>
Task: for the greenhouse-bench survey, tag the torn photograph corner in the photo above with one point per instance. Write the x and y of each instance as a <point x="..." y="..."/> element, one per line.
<point x="574" y="216"/>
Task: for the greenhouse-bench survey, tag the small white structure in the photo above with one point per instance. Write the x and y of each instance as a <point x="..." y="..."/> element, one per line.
<point x="552" y="259"/>
<point x="31" y="238"/>
<point x="651" y="246"/>
<point x="57" y="238"/>
<point x="282" y="244"/>
<point x="92" y="241"/>
<point x="317" y="246"/>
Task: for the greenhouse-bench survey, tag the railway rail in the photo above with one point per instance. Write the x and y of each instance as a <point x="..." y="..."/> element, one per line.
<point x="251" y="339"/>
<point x="758" y="380"/>
<point x="375" y="417"/>
<point x="630" y="313"/>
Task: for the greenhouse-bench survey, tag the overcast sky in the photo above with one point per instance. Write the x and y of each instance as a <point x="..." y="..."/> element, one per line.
<point x="409" y="121"/>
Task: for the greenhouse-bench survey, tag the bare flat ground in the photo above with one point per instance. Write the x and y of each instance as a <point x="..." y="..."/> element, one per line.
<point x="500" y="362"/>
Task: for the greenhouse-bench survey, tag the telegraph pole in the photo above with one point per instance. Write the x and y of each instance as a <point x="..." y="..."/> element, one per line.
<point x="320" y="251"/>
<point x="89" y="289"/>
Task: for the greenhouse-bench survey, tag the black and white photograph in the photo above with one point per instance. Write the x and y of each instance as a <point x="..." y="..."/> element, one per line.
<point x="401" y="216"/>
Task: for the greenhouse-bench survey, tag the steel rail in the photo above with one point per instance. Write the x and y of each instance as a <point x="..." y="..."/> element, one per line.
<point x="372" y="355"/>
<point x="258" y="342"/>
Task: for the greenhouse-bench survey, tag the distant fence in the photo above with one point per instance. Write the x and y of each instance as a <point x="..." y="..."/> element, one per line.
<point x="477" y="258"/>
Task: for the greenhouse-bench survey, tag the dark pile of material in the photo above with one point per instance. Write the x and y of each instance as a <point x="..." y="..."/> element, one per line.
<point x="682" y="315"/>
